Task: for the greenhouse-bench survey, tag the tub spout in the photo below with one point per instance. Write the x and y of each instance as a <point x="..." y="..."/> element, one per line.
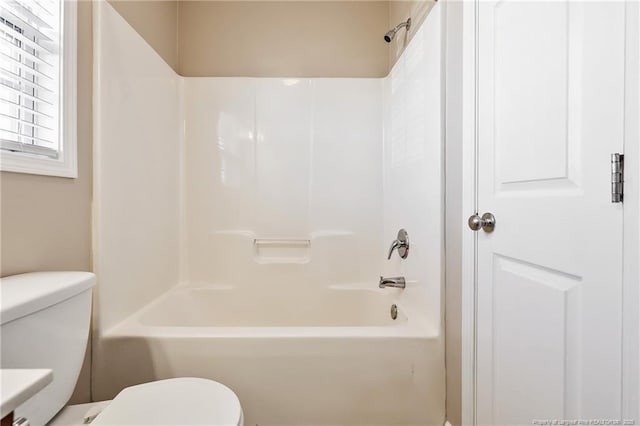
<point x="395" y="282"/>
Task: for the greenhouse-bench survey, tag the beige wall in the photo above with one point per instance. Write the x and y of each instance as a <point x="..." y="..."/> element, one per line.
<point x="286" y="38"/>
<point x="399" y="11"/>
<point x="293" y="38"/>
<point x="46" y="221"/>
<point x="282" y="38"/>
<point x="156" y="21"/>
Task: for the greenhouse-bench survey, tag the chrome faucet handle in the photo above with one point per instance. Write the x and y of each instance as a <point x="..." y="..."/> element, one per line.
<point x="401" y="243"/>
<point x="394" y="245"/>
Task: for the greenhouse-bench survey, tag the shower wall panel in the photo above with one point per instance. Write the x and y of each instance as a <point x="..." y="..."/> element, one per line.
<point x="283" y="180"/>
<point x="413" y="171"/>
<point x="136" y="170"/>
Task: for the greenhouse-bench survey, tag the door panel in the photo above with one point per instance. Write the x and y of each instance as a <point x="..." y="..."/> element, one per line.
<point x="535" y="309"/>
<point x="551" y="96"/>
<point x="528" y="151"/>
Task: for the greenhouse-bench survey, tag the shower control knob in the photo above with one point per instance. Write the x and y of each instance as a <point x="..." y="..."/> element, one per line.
<point x="487" y="222"/>
<point x="401" y="243"/>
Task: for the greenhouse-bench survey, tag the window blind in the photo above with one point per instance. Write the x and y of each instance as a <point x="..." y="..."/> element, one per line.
<point x="30" y="83"/>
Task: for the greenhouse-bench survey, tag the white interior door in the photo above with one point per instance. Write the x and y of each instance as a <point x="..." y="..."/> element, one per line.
<point x="549" y="277"/>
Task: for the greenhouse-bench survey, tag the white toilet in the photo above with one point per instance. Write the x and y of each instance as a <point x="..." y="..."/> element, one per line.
<point x="45" y="319"/>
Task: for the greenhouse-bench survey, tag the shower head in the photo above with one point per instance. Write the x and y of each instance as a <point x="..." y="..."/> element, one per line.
<point x="392" y="33"/>
<point x="389" y="36"/>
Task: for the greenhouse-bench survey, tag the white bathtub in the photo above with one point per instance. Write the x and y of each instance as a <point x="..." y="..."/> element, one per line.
<point x="328" y="357"/>
<point x="221" y="307"/>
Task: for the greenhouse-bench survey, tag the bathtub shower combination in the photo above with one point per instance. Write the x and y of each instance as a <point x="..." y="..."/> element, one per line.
<point x="242" y="226"/>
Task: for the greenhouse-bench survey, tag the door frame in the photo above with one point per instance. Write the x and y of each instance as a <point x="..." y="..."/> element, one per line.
<point x="468" y="26"/>
<point x="631" y="216"/>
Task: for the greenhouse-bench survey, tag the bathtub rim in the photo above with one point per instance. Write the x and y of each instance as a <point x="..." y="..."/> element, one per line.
<point x="416" y="324"/>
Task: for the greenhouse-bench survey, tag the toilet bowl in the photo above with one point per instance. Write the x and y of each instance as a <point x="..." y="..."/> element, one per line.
<point x="44" y="323"/>
<point x="181" y="401"/>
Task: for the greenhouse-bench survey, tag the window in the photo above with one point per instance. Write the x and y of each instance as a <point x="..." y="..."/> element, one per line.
<point x="38" y="87"/>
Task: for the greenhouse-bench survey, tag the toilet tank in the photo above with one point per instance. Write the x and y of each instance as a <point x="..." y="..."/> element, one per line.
<point x="45" y="318"/>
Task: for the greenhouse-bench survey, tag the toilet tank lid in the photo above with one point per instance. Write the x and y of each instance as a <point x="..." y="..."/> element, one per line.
<point x="25" y="294"/>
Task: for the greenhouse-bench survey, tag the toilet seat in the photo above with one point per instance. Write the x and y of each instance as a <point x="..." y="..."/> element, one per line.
<point x="182" y="401"/>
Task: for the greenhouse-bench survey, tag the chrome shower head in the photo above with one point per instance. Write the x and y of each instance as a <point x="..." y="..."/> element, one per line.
<point x="392" y="33"/>
<point x="389" y="36"/>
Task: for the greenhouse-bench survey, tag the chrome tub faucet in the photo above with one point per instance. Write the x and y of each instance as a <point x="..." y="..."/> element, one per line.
<point x="395" y="282"/>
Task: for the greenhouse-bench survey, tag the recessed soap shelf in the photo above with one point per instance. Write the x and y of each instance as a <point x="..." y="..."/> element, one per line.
<point x="281" y="250"/>
<point x="280" y="241"/>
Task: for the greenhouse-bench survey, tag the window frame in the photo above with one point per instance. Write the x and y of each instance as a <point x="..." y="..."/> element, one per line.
<point x="66" y="165"/>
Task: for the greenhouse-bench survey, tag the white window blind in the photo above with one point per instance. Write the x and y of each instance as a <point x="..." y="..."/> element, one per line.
<point x="30" y="77"/>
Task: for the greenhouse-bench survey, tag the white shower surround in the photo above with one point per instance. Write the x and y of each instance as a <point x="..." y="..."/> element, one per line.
<point x="186" y="208"/>
<point x="293" y="160"/>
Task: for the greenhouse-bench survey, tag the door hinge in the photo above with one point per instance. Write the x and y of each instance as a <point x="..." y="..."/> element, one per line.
<point x="617" y="178"/>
